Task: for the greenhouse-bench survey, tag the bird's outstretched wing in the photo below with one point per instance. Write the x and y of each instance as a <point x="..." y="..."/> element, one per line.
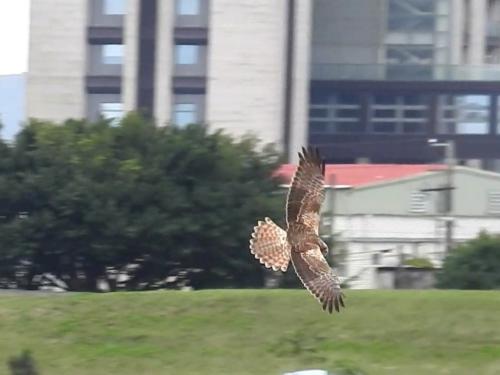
<point x="270" y="246"/>
<point x="317" y="276"/>
<point x="307" y="193"/>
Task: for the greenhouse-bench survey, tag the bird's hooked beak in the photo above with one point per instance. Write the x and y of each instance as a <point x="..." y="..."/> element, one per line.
<point x="323" y="246"/>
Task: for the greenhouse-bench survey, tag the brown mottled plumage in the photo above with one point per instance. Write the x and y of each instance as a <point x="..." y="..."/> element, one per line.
<point x="269" y="245"/>
<point x="301" y="243"/>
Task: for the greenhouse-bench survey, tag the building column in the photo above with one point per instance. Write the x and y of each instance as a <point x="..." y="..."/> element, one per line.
<point x="493" y="114"/>
<point x="457" y="23"/>
<point x="477" y="32"/>
<point x="147" y="57"/>
<point x="365" y="116"/>
<point x="130" y="63"/>
<point x="299" y="126"/>
<point x="164" y="62"/>
<point x="245" y="72"/>
<point x="434" y="118"/>
<point x="56" y="87"/>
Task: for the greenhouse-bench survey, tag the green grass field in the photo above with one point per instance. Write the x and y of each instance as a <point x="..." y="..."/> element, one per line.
<point x="253" y="332"/>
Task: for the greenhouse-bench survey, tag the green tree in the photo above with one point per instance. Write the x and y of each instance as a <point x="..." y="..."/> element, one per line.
<point x="473" y="265"/>
<point x="81" y="198"/>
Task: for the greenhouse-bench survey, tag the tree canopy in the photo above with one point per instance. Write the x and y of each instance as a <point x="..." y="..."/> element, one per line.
<point x="473" y="265"/>
<point x="83" y="201"/>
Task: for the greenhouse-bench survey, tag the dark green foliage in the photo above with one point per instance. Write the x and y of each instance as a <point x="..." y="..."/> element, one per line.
<point x="81" y="198"/>
<point x="418" y="263"/>
<point x="473" y="265"/>
<point x="23" y="365"/>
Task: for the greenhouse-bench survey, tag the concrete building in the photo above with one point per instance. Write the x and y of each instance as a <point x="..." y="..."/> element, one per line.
<point x="381" y="215"/>
<point x="371" y="79"/>
<point x="223" y="63"/>
<point x="12" y="103"/>
<point x="388" y="74"/>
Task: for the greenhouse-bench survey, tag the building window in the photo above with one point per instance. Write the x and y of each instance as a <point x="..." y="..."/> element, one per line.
<point x="112" y="54"/>
<point x="494" y="202"/>
<point x="185" y="114"/>
<point x="410" y="54"/>
<point x="418" y="34"/>
<point x="405" y="114"/>
<point x="409" y="62"/>
<point x="337" y="113"/>
<point x="412" y="15"/>
<point x="186" y="54"/>
<point x="188" y="7"/>
<point x="112" y="112"/>
<point x="419" y="202"/>
<point x="113" y="7"/>
<point x="464" y="114"/>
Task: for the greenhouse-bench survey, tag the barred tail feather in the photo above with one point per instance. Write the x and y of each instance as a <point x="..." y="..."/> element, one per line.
<point x="270" y="246"/>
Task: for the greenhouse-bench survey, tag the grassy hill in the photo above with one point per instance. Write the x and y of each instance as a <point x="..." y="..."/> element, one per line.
<point x="253" y="332"/>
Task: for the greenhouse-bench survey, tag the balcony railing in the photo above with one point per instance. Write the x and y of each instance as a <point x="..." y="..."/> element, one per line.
<point x="383" y="72"/>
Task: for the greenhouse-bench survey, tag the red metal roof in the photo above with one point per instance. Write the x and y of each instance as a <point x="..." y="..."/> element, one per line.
<point x="361" y="174"/>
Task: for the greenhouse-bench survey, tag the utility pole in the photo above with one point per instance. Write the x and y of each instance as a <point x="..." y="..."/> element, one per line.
<point x="450" y="159"/>
<point x="332" y="190"/>
<point x="450" y="162"/>
<point x="331" y="207"/>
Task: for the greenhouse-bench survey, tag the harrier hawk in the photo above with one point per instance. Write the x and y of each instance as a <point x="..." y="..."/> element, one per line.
<point x="300" y="243"/>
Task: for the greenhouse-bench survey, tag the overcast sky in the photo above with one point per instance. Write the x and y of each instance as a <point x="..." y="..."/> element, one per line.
<point x="14" y="32"/>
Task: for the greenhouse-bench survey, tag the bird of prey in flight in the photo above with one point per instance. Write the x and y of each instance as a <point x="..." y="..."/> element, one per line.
<point x="301" y="243"/>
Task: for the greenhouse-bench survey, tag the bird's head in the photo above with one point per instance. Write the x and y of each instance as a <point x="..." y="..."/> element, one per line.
<point x="322" y="245"/>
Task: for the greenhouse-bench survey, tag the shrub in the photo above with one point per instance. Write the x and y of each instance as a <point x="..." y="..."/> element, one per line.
<point x="419" y="263"/>
<point x="473" y="265"/>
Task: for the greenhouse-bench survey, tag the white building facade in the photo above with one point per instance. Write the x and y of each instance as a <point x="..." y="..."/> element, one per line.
<point x="369" y="242"/>
<point x="383" y="224"/>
